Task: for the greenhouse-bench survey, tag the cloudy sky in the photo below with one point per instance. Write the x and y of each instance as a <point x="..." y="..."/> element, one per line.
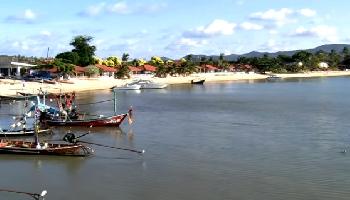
<point x="144" y="28"/>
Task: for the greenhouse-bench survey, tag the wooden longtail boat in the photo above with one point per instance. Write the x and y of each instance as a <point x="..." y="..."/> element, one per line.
<point x="103" y="121"/>
<point x="15" y="133"/>
<point x="197" y="81"/>
<point x="32" y="148"/>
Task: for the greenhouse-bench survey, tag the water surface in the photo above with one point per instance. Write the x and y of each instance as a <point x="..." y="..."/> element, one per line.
<point x="230" y="140"/>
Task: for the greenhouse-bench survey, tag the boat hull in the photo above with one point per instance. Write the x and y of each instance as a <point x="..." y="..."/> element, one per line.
<point x="114" y="121"/>
<point x="29" y="148"/>
<point x="19" y="133"/>
<point x="198" y="81"/>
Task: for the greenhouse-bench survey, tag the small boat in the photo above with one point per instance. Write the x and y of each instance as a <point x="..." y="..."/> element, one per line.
<point x="198" y="81"/>
<point x="15" y="133"/>
<point x="273" y="77"/>
<point x="65" y="81"/>
<point x="115" y="121"/>
<point x="34" y="148"/>
<point x="18" y="97"/>
<point x="47" y="81"/>
<point x="148" y="84"/>
<point x="128" y="86"/>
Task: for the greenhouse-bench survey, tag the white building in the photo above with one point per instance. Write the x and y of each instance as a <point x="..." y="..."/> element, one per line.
<point x="8" y="67"/>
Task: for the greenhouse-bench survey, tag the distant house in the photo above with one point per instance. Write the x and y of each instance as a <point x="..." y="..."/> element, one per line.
<point x="79" y="71"/>
<point x="208" y="68"/>
<point x="323" y="65"/>
<point x="135" y="70"/>
<point x="240" y="68"/>
<point x="10" y="67"/>
<point x="106" y="71"/>
<point x="148" y="69"/>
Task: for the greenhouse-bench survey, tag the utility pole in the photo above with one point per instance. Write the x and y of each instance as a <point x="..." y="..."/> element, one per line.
<point x="47" y="53"/>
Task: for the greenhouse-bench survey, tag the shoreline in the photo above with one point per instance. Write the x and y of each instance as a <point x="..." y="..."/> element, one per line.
<point x="11" y="87"/>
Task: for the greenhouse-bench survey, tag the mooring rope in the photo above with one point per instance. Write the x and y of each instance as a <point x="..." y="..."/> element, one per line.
<point x="83" y="104"/>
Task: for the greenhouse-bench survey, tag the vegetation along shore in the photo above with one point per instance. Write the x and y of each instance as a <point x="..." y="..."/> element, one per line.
<point x="80" y="70"/>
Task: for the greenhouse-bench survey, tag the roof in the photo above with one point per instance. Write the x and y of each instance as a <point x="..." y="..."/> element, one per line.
<point x="78" y="69"/>
<point x="134" y="69"/>
<point x="150" y="68"/>
<point x="22" y="64"/>
<point x="210" y="67"/>
<point x="105" y="68"/>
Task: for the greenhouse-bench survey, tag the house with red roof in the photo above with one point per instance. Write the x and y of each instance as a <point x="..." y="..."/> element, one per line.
<point x="135" y="70"/>
<point x="148" y="69"/>
<point x="106" y="71"/>
<point x="79" y="71"/>
<point x="208" y="68"/>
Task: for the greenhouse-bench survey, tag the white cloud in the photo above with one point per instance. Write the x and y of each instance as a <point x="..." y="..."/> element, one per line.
<point x="185" y="44"/>
<point x="279" y="16"/>
<point x="323" y="32"/>
<point x="272" y="46"/>
<point x="120" y="8"/>
<point x="282" y="16"/>
<point x="273" y="32"/>
<point x="191" y="42"/>
<point x="94" y="10"/>
<point x="46" y="33"/>
<point x="307" y="12"/>
<point x="36" y="44"/>
<point x="28" y="16"/>
<point x="216" y="28"/>
<point x="250" y="26"/>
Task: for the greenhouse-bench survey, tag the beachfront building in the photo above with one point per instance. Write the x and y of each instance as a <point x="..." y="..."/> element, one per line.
<point x="9" y="66"/>
<point x="106" y="71"/>
<point x="323" y="65"/>
<point x="135" y="70"/>
<point x="208" y="69"/>
<point x="148" y="69"/>
<point x="77" y="71"/>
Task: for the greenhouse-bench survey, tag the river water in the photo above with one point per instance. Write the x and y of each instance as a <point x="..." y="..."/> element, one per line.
<point x="253" y="140"/>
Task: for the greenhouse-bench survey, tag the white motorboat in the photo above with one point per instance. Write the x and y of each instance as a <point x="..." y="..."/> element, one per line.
<point x="148" y="84"/>
<point x="128" y="86"/>
<point x="273" y="77"/>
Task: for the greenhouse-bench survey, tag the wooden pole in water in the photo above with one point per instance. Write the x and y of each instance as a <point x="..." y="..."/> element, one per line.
<point x="115" y="102"/>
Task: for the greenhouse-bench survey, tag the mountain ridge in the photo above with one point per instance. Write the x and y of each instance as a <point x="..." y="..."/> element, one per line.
<point x="233" y="57"/>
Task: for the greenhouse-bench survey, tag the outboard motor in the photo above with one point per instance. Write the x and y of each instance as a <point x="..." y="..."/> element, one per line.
<point x="70" y="137"/>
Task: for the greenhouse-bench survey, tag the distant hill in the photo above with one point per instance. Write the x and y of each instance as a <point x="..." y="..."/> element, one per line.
<point x="233" y="57"/>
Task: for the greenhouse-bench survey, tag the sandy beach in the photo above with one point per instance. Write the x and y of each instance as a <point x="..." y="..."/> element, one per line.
<point x="11" y="87"/>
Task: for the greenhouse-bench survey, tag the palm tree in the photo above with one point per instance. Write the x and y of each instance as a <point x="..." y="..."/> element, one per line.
<point x="125" y="57"/>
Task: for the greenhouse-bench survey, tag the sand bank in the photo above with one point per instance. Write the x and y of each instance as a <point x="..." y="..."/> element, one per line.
<point x="11" y="87"/>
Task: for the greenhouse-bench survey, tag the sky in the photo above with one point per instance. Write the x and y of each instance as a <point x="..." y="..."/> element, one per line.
<point x="171" y="28"/>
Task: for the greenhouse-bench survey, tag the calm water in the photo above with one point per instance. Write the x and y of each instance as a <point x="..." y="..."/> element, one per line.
<point x="232" y="140"/>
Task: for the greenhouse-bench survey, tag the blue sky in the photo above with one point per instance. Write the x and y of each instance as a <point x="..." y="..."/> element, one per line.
<point x="171" y="28"/>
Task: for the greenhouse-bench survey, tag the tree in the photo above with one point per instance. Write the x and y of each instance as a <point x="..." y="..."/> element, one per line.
<point x="114" y="61"/>
<point x="62" y="67"/>
<point x="302" y="56"/>
<point x="345" y="51"/>
<point x="123" y="72"/>
<point x="84" y="49"/>
<point x="92" y="70"/>
<point x="189" y="57"/>
<point x="125" y="57"/>
<point x="155" y="60"/>
<point x="333" y="59"/>
<point x="69" y="57"/>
